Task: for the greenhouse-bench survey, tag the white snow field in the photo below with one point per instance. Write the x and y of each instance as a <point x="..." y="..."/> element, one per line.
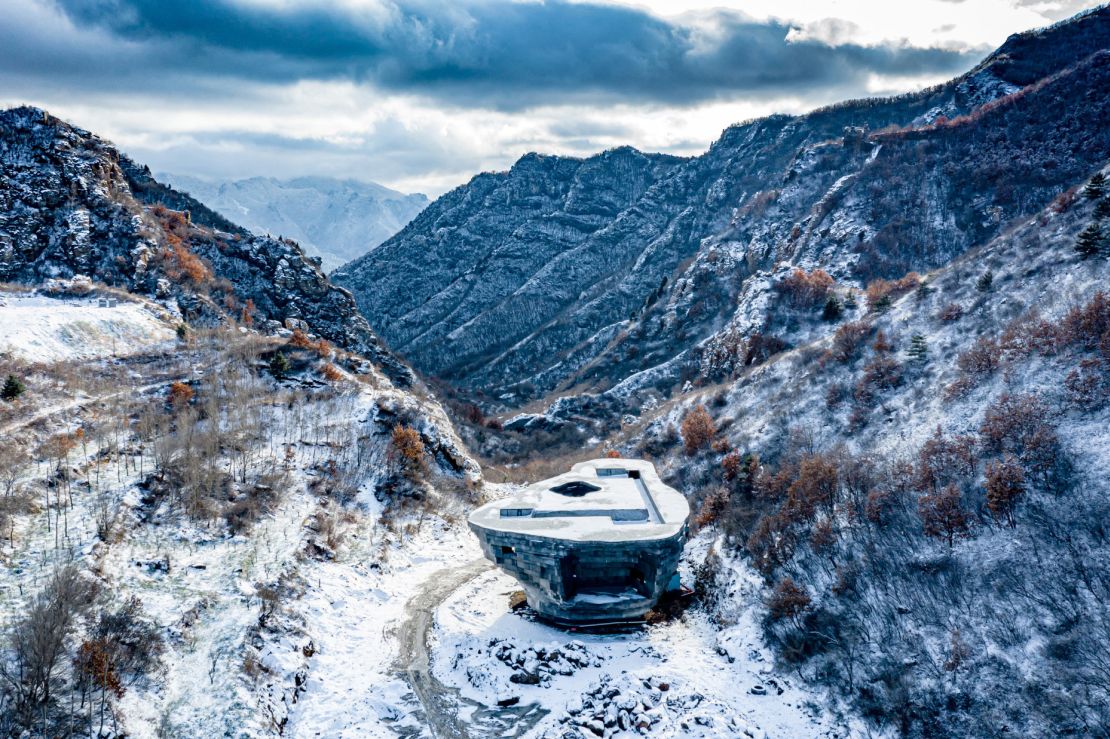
<point x="39" y="328"/>
<point x="355" y="610"/>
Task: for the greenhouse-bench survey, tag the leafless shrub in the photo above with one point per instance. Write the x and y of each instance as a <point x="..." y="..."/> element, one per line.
<point x="943" y="515"/>
<point x="1004" y="485"/>
<point x="1028" y="334"/>
<point x="805" y="290"/>
<point x="36" y="651"/>
<point x="981" y="359"/>
<point x="848" y="339"/>
<point x="944" y="460"/>
<point x="787" y="600"/>
<point x="1086" y="325"/>
<point x="950" y="313"/>
<point x="1021" y="425"/>
<point x="1087" y="387"/>
<point x="697" y="430"/>
<point x="714" y="504"/>
<point x="880" y="293"/>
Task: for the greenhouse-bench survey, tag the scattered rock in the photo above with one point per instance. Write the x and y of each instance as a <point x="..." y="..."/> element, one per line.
<point x="524" y="678"/>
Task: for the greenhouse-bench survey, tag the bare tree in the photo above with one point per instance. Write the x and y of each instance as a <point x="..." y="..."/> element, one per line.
<point x="37" y="647"/>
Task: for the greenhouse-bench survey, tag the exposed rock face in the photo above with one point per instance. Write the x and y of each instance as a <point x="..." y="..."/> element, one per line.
<point x="492" y="261"/>
<point x="566" y="272"/>
<point x="70" y="203"/>
<point x="335" y="220"/>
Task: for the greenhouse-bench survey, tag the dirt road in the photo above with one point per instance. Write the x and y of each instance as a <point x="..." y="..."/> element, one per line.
<point x="442" y="704"/>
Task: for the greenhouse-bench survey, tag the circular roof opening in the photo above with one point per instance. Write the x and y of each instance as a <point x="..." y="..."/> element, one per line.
<point x="575" y="488"/>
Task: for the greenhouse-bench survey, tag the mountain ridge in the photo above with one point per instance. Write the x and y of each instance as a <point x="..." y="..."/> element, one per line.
<point x="71" y="203"/>
<point x="777" y="189"/>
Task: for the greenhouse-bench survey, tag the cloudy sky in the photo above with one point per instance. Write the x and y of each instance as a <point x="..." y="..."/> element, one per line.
<point x="421" y="94"/>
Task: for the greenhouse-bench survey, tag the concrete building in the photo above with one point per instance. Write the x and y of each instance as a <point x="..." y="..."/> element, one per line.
<point x="599" y="543"/>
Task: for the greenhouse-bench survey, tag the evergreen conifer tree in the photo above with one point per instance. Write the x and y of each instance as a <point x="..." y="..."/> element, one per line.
<point x="918" y="350"/>
<point x="279" y="365"/>
<point x="1102" y="208"/>
<point x="1090" y="241"/>
<point x="1096" y="187"/>
<point x="831" y="311"/>
<point x="13" y="388"/>
<point x="985" y="281"/>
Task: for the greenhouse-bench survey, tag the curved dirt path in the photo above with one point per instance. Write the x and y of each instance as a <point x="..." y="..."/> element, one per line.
<point x="442" y="704"/>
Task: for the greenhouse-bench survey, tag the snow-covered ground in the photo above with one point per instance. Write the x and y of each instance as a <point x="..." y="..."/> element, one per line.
<point x="246" y="617"/>
<point x="403" y="630"/>
<point x="355" y="610"/>
<point x="39" y="328"/>
<point x="687" y="677"/>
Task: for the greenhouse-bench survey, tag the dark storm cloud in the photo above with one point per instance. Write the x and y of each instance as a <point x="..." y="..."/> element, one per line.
<point x="498" y="54"/>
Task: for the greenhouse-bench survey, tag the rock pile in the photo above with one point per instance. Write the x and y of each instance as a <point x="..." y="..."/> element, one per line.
<point x="535" y="665"/>
<point x="616" y="707"/>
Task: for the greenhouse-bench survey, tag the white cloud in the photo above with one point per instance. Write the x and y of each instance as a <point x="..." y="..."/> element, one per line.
<point x="972" y="22"/>
<point x="348" y="128"/>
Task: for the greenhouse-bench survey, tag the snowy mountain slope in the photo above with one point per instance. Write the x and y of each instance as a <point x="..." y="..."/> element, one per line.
<point x="115" y="489"/>
<point x="334" y="220"/>
<point x="527" y="296"/>
<point x="38" y="328"/>
<point x="496" y="258"/>
<point x="71" y="204"/>
<point x="863" y="442"/>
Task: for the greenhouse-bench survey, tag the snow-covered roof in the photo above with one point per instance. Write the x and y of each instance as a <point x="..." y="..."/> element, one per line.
<point x="598" y="500"/>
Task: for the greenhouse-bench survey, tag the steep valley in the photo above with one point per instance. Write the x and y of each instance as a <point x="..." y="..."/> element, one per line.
<point x="870" y="344"/>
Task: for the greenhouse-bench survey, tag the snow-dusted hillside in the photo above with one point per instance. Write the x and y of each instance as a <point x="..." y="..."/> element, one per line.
<point x="40" y="328"/>
<point x="924" y="487"/>
<point x="577" y="273"/>
<point x="193" y="500"/>
<point x="335" y="220"/>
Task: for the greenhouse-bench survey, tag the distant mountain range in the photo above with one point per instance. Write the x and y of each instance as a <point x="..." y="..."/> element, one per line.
<point x="580" y="273"/>
<point x="335" y="220"/>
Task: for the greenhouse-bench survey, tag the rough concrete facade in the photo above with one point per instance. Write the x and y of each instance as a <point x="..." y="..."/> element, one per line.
<point x="598" y="544"/>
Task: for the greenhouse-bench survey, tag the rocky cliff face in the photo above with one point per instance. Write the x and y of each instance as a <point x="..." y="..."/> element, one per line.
<point x="548" y="276"/>
<point x="335" y="220"/>
<point x="70" y="203"/>
<point x="494" y="260"/>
